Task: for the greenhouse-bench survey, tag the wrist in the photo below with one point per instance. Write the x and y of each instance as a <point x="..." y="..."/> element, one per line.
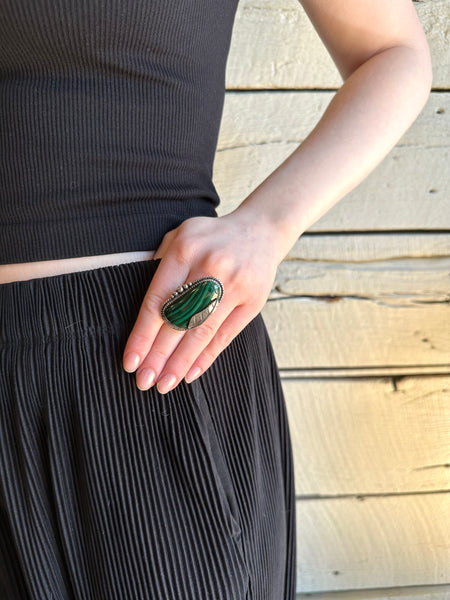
<point x="273" y="223"/>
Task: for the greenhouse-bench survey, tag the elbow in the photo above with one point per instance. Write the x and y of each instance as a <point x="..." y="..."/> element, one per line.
<point x="417" y="70"/>
<point x="425" y="67"/>
<point x="424" y="77"/>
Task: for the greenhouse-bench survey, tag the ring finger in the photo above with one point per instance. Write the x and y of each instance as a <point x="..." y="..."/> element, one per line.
<point x="189" y="348"/>
<point x="166" y="343"/>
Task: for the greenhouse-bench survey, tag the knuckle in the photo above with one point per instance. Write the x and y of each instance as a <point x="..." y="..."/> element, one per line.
<point x="138" y="341"/>
<point x="208" y="357"/>
<point x="219" y="262"/>
<point x="184" y="246"/>
<point x="152" y="303"/>
<point x="169" y="235"/>
<point x="224" y="338"/>
<point x="204" y="333"/>
<point x="181" y="254"/>
<point x="180" y="364"/>
<point x="157" y="356"/>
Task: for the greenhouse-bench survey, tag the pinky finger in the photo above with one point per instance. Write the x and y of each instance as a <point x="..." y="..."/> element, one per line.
<point x="230" y="328"/>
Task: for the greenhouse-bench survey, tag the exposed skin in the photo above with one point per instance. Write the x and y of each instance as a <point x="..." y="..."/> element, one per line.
<point x="382" y="54"/>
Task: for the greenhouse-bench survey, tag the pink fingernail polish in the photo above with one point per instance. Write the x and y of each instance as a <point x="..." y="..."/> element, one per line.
<point x="193" y="374"/>
<point x="146" y="378"/>
<point x="166" y="384"/>
<point x="131" y="362"/>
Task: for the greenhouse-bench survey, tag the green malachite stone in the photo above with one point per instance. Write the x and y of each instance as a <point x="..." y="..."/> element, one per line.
<point x="190" y="307"/>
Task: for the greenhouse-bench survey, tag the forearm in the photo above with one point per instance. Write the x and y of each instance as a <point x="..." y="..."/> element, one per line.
<point x="365" y="119"/>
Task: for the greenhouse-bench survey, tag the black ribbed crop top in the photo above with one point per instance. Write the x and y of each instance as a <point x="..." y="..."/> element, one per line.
<point x="109" y="117"/>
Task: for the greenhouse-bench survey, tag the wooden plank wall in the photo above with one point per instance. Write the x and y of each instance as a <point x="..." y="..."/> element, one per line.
<point x="359" y="317"/>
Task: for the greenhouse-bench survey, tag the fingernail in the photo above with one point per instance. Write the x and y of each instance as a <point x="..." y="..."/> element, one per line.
<point x="146" y="378"/>
<point x="193" y="374"/>
<point x="131" y="361"/>
<point x="166" y="384"/>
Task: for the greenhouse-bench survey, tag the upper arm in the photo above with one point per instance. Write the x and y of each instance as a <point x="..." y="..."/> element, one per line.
<point x="355" y="30"/>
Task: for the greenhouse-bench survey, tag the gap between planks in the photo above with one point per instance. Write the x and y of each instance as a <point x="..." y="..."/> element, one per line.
<point x="395" y="372"/>
<point x="428" y="592"/>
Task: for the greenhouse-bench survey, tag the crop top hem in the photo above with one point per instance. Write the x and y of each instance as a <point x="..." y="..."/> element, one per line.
<point x="53" y="239"/>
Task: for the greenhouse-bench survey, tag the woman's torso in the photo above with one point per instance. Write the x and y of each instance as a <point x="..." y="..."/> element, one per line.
<point x="109" y="116"/>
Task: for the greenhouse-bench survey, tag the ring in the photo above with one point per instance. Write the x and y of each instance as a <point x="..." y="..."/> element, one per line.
<point x="192" y="303"/>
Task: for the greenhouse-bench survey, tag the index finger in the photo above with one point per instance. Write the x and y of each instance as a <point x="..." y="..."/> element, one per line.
<point x="168" y="276"/>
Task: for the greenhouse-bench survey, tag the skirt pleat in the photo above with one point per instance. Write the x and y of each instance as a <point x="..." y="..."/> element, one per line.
<point x="108" y="492"/>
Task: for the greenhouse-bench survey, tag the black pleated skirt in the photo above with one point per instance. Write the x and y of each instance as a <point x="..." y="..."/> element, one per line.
<point x="111" y="493"/>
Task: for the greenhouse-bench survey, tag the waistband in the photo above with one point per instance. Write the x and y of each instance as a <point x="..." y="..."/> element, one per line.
<point x="73" y="303"/>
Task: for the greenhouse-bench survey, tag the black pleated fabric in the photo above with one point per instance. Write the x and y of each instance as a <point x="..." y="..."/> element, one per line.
<point x="108" y="492"/>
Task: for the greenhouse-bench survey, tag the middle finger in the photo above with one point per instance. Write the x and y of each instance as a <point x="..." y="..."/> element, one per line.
<point x="165" y="342"/>
<point x="181" y="350"/>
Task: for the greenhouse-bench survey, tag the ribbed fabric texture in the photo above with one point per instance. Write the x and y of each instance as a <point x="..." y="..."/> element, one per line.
<point x="111" y="493"/>
<point x="109" y="116"/>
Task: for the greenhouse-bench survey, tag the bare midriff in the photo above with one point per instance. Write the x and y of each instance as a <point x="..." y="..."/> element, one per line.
<point x="49" y="268"/>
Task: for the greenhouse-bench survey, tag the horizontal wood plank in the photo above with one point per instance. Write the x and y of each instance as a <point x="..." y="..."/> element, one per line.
<point x="408" y="190"/>
<point x="312" y="332"/>
<point x="378" y="542"/>
<point x="408" y="280"/>
<point x="275" y="46"/>
<point x="370" y="246"/>
<point x="366" y="541"/>
<point x="370" y="435"/>
<point x="251" y="118"/>
<point x="363" y="302"/>
<point x="428" y="592"/>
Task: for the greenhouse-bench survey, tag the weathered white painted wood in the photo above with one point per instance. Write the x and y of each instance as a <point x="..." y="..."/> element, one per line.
<point x="350" y="332"/>
<point x="261" y="117"/>
<point x="276" y="116"/>
<point x="349" y="544"/>
<point x="429" y="592"/>
<point x="381" y="541"/>
<point x="356" y="248"/>
<point x="251" y="118"/>
<point x="435" y="18"/>
<point x="370" y="436"/>
<point x="363" y="301"/>
<point x="275" y="46"/>
<point x="408" y="190"/>
<point x="408" y="279"/>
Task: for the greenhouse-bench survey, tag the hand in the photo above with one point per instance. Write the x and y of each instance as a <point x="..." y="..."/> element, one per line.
<point x="235" y="250"/>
